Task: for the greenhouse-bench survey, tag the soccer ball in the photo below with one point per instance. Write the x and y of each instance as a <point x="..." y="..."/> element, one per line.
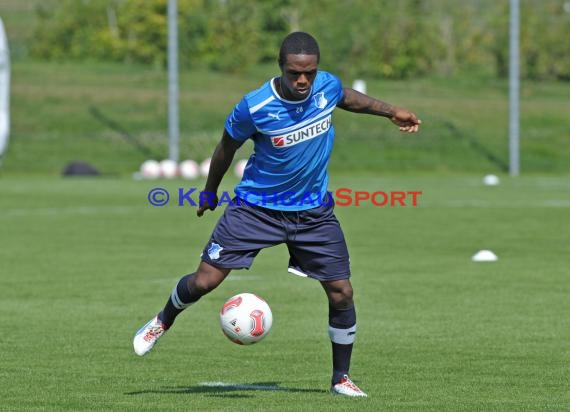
<point x="168" y="168"/>
<point x="205" y="167"/>
<point x="150" y="169"/>
<point x="189" y="169"/>
<point x="246" y="318"/>
<point x="240" y="167"/>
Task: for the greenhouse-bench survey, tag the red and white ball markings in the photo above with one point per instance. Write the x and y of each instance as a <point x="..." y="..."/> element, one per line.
<point x="246" y="318"/>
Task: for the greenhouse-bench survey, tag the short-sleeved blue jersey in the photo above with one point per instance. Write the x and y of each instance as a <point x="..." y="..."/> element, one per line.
<point x="293" y="141"/>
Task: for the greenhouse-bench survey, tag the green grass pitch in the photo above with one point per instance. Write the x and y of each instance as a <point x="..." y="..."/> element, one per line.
<point x="84" y="263"/>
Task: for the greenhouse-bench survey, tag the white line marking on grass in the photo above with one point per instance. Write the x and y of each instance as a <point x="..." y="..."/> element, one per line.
<point x="550" y="183"/>
<point x="557" y="203"/>
<point x="242" y="277"/>
<point x="66" y="211"/>
<point x="552" y="203"/>
<point x="241" y="386"/>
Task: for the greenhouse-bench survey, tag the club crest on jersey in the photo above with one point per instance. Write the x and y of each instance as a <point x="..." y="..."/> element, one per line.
<point x="303" y="134"/>
<point x="214" y="251"/>
<point x="320" y="100"/>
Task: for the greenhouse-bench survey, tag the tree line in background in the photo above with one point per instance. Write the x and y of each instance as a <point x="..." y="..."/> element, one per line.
<point x="380" y="38"/>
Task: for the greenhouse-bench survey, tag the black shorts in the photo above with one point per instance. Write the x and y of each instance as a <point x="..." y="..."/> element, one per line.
<point x="314" y="238"/>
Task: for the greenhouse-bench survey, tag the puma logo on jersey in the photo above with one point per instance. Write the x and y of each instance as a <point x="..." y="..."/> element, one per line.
<point x="274" y="115"/>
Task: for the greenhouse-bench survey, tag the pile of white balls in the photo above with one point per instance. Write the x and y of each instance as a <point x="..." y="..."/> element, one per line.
<point x="187" y="169"/>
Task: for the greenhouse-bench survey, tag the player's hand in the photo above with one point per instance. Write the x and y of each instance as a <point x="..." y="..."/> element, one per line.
<point x="407" y="121"/>
<point x="208" y="201"/>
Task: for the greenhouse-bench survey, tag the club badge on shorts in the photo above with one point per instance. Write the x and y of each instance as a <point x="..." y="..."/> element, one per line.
<point x="214" y="251"/>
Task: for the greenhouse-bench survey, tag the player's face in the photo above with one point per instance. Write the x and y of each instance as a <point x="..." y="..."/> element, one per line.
<point x="298" y="73"/>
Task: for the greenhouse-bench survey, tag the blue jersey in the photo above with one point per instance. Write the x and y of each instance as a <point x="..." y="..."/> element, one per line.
<point x="293" y="141"/>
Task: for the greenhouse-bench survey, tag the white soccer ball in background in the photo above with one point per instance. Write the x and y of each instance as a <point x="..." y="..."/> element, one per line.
<point x="189" y="169"/>
<point x="246" y="318"/>
<point x="150" y="169"/>
<point x="168" y="169"/>
<point x="240" y="167"/>
<point x="205" y="167"/>
<point x="359" y="85"/>
<point x="491" y="180"/>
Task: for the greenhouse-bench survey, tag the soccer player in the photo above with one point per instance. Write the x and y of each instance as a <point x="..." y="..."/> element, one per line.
<point x="282" y="197"/>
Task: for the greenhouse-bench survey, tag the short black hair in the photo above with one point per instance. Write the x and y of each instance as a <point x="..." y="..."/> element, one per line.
<point x="298" y="43"/>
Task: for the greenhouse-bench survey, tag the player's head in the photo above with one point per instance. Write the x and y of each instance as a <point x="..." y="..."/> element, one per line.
<point x="298" y="43"/>
<point x="298" y="59"/>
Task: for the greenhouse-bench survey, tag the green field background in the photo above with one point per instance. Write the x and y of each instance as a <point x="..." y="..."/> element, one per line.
<point x="115" y="117"/>
<point x="84" y="262"/>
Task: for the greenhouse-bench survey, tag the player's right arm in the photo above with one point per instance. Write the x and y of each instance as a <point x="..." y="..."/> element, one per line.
<point x="219" y="165"/>
<point x="238" y="128"/>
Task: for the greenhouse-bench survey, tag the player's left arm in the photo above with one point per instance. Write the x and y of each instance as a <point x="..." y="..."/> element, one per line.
<point x="357" y="102"/>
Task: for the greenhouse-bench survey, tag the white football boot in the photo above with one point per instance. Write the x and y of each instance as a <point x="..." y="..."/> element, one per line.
<point x="147" y="336"/>
<point x="347" y="388"/>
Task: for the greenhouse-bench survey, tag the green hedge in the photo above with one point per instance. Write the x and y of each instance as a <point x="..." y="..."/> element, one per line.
<point x="379" y="39"/>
